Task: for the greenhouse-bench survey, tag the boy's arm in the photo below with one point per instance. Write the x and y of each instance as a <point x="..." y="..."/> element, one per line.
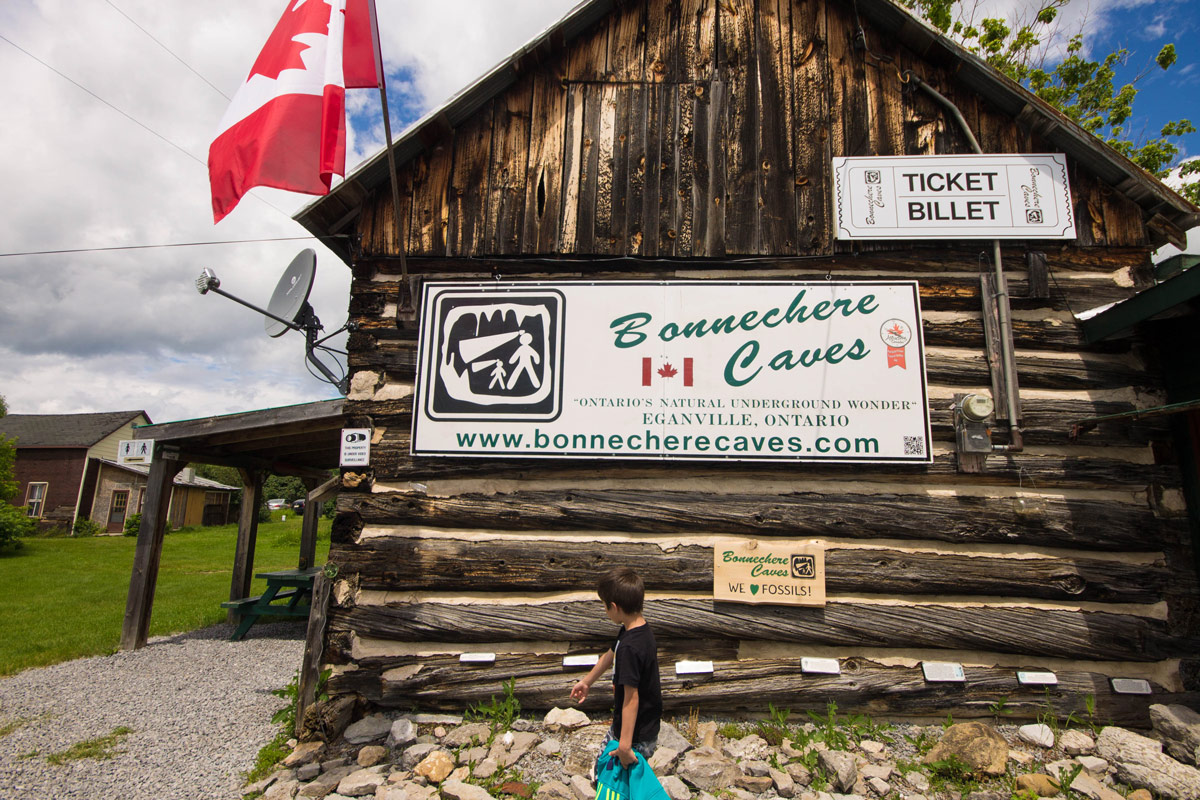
<point x="580" y="691"/>
<point x="629" y="709"/>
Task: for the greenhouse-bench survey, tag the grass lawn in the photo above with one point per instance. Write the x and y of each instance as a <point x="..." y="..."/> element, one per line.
<point x="65" y="598"/>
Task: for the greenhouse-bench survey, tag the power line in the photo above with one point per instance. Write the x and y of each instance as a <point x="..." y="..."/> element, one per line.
<point x="132" y="119"/>
<point x="102" y="100"/>
<point x="169" y="51"/>
<point x="162" y="246"/>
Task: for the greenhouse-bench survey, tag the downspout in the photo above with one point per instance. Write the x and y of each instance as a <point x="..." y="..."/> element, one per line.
<point x="1008" y="367"/>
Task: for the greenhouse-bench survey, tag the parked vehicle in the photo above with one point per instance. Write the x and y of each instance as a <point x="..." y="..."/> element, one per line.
<point x="277" y="503"/>
<point x="298" y="505"/>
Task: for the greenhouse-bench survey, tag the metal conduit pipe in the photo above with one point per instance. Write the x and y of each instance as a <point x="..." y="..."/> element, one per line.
<point x="1008" y="365"/>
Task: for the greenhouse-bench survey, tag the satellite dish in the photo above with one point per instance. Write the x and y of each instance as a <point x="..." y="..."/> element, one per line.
<point x="289" y="310"/>
<point x="291" y="293"/>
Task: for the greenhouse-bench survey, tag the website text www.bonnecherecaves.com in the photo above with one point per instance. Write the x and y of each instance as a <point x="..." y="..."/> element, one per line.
<point x="651" y="443"/>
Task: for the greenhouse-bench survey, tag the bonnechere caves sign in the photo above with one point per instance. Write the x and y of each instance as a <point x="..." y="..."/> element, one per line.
<point x="698" y="370"/>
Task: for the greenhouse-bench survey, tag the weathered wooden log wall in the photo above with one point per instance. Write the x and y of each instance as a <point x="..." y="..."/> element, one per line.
<point x="692" y="139"/>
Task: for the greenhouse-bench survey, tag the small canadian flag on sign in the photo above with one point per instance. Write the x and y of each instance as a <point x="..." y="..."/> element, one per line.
<point x="665" y="372"/>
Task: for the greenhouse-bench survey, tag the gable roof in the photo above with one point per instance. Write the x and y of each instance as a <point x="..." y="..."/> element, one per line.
<point x="182" y="478"/>
<point x="1167" y="214"/>
<point x="64" y="430"/>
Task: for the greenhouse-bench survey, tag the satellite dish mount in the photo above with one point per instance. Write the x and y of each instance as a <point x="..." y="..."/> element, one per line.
<point x="289" y="310"/>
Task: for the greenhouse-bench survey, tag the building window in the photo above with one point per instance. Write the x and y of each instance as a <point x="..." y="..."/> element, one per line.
<point x="35" y="498"/>
<point x="214" y="499"/>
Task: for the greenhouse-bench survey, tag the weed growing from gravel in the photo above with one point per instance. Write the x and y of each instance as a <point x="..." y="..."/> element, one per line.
<point x="504" y="776"/>
<point x="499" y="714"/>
<point x="11" y="727"/>
<point x="100" y="748"/>
<point x="952" y="773"/>
<point x="277" y="749"/>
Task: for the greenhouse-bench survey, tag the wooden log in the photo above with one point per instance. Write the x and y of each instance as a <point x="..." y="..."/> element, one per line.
<point x="1084" y="372"/>
<point x="1089" y="635"/>
<point x="314" y="647"/>
<point x="960" y="519"/>
<point x="1047" y="421"/>
<point x="1067" y="263"/>
<point x="135" y="629"/>
<point x="946" y="292"/>
<point x="247" y="536"/>
<point x="863" y="687"/>
<point x="398" y="563"/>
<point x="1103" y="470"/>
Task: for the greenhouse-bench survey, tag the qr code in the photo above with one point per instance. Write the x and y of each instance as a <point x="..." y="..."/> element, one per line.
<point x="914" y="445"/>
<point x="1033" y="216"/>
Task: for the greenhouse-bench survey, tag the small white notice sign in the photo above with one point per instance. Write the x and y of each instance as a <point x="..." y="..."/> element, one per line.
<point x="953" y="197"/>
<point x="1131" y="686"/>
<point x="1037" y="679"/>
<point x="693" y="667"/>
<point x="580" y="662"/>
<point x="135" y="451"/>
<point x="820" y="666"/>
<point x="943" y="672"/>
<point x="356" y="447"/>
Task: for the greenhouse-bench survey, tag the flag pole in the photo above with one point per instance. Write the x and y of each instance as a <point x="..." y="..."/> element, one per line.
<point x="406" y="305"/>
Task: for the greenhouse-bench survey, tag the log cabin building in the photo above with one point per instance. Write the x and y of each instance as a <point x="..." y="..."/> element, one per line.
<point x="693" y="141"/>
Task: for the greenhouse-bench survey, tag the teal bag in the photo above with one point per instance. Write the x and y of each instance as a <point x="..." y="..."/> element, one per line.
<point x="615" y="782"/>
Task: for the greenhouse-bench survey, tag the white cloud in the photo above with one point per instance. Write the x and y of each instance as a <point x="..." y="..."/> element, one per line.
<point x="102" y="331"/>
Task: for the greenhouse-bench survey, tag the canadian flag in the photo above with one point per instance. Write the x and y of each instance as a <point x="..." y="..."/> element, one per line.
<point x="286" y="126"/>
<point x="666" y="371"/>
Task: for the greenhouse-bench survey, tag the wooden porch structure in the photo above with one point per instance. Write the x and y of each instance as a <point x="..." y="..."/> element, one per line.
<point x="301" y="440"/>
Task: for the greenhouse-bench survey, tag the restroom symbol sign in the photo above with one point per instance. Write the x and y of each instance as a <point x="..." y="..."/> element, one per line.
<point x="495" y="355"/>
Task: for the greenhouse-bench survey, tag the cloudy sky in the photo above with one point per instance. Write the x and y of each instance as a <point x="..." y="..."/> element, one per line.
<point x="110" y="106"/>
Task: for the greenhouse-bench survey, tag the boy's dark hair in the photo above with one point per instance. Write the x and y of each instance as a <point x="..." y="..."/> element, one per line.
<point x="623" y="586"/>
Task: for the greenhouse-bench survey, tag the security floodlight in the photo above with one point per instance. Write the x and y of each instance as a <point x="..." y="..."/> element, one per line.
<point x="207" y="280"/>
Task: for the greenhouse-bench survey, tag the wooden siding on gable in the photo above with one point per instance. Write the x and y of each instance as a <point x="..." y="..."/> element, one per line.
<point x="692" y="129"/>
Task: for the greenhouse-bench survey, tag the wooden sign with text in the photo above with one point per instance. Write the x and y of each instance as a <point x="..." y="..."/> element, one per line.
<point x="775" y="573"/>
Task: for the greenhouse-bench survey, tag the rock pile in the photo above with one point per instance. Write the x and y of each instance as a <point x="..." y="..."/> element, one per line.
<point x="424" y="757"/>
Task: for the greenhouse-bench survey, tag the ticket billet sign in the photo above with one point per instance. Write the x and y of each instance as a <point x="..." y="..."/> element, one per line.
<point x="953" y="197"/>
<point x="676" y="370"/>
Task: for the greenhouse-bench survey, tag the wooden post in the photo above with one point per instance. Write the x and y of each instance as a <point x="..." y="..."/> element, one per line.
<point x="312" y="517"/>
<point x="243" y="558"/>
<point x="314" y="647"/>
<point x="136" y="627"/>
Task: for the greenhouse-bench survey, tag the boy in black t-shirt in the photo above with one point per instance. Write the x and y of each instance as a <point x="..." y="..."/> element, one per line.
<point x="636" y="686"/>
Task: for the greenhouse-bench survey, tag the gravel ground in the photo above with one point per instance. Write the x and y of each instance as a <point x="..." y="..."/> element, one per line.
<point x="199" y="707"/>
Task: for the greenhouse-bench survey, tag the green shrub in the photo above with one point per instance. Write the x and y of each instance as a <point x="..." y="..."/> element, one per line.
<point x="14" y="523"/>
<point x="264" y="514"/>
<point x="85" y="527"/>
<point x="133" y="524"/>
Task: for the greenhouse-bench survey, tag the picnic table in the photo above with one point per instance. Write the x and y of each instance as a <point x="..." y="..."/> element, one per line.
<point x="288" y="594"/>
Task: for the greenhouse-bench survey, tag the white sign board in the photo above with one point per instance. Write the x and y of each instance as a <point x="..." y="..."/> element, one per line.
<point x="953" y="197"/>
<point x="711" y="370"/>
<point x="135" y="451"/>
<point x="356" y="447"/>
